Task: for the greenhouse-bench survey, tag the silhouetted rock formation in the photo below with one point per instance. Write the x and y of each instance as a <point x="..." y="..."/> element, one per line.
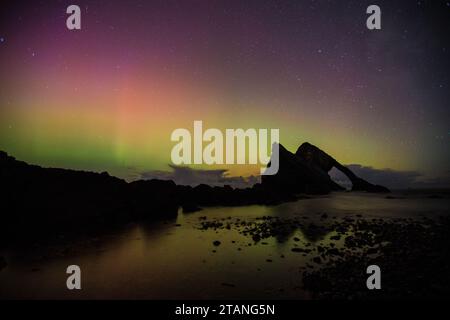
<point x="38" y="200"/>
<point x="297" y="175"/>
<point x="321" y="160"/>
<point x="205" y="195"/>
<point x="307" y="170"/>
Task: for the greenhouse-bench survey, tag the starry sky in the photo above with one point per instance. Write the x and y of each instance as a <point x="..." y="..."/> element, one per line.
<point x="108" y="96"/>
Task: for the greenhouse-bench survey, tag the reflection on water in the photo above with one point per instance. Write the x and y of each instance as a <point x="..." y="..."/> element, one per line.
<point x="176" y="259"/>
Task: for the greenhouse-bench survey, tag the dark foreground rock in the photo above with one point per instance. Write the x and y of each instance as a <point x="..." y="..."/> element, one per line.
<point x="39" y="202"/>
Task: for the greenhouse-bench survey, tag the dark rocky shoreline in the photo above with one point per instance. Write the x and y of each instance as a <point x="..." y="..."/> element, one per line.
<point x="45" y="201"/>
<point x="413" y="254"/>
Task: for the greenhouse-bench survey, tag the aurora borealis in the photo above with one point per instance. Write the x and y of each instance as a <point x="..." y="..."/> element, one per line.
<point x="108" y="96"/>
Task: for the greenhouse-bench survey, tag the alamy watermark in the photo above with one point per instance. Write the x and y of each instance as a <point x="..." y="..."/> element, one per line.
<point x="374" y="280"/>
<point x="252" y="147"/>
<point x="74" y="280"/>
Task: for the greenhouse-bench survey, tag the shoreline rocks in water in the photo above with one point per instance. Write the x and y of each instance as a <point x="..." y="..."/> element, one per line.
<point x="413" y="257"/>
<point x="413" y="254"/>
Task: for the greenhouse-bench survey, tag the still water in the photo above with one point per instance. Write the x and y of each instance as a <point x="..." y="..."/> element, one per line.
<point x="177" y="260"/>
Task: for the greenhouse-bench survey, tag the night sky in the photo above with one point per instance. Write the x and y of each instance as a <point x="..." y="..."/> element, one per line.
<point x="107" y="97"/>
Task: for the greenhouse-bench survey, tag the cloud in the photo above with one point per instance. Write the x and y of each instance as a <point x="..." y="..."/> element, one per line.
<point x="192" y="177"/>
<point x="439" y="182"/>
<point x="394" y="179"/>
